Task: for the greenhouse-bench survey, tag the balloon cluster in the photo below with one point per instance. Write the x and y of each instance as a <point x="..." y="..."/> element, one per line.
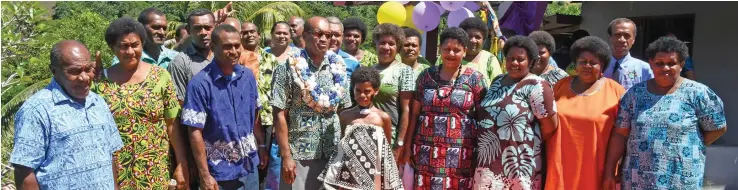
<point x="425" y="16"/>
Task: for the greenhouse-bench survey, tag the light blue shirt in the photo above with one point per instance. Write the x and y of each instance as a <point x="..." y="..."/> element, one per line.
<point x="351" y="62"/>
<point x="165" y="57"/>
<point x="631" y="71"/>
<point x="67" y="144"/>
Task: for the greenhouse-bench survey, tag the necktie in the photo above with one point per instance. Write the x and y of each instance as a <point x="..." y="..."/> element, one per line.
<point x="616" y="71"/>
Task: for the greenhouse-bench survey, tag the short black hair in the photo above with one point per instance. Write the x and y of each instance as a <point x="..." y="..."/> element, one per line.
<point x="215" y="36"/>
<point x="522" y="42"/>
<point x="354" y="23"/>
<point x="457" y="34"/>
<point x="278" y="23"/>
<point x="545" y="39"/>
<point x="198" y="12"/>
<point x="475" y="23"/>
<point x="143" y="18"/>
<point x="618" y="21"/>
<point x="389" y="29"/>
<point x="593" y="45"/>
<point x="409" y="32"/>
<point x="365" y="74"/>
<point x="122" y="26"/>
<point x="178" y="33"/>
<point x="579" y="34"/>
<point x="668" y="45"/>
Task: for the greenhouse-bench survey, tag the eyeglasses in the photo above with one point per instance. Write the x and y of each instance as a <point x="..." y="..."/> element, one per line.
<point x="319" y="34"/>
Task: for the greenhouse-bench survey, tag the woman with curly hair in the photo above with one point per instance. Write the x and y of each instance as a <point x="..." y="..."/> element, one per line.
<point x="145" y="107"/>
<point x="587" y="105"/>
<point x="397" y="82"/>
<point x="515" y="117"/>
<point x="354" y="35"/>
<point x="663" y="126"/>
<point x="546" y="47"/>
<point x="478" y="58"/>
<point x="443" y="128"/>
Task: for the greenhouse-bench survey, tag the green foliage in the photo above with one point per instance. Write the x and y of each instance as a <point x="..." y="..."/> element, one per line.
<point x="563" y="7"/>
<point x="265" y="14"/>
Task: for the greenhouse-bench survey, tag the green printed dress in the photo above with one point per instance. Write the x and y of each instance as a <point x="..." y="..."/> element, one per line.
<point x="139" y="111"/>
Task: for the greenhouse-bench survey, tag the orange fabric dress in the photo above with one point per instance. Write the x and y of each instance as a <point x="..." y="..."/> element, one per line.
<point x="576" y="153"/>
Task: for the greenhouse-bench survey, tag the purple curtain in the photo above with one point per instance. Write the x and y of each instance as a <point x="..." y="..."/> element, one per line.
<point x="524" y="17"/>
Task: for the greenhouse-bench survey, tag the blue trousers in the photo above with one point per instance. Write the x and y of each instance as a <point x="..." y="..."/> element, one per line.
<point x="274" y="168"/>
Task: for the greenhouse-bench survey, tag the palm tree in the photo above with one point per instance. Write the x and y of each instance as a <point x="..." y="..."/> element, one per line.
<point x="265" y="14"/>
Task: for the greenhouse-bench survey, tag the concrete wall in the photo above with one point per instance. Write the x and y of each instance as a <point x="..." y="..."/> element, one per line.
<point x="715" y="49"/>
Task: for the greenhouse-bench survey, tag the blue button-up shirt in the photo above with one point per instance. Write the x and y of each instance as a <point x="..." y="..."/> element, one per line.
<point x="225" y="108"/>
<point x="631" y="71"/>
<point x="165" y="57"/>
<point x="67" y="144"/>
<point x="351" y="62"/>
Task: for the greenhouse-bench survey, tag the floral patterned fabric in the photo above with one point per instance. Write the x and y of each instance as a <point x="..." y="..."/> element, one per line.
<point x="266" y="65"/>
<point x="312" y="135"/>
<point x="665" y="149"/>
<point x="509" y="141"/>
<point x="369" y="59"/>
<point x="140" y="110"/>
<point x="445" y="136"/>
<point x="553" y="76"/>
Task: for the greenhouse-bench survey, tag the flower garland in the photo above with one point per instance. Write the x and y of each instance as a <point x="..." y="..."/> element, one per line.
<point x="314" y="95"/>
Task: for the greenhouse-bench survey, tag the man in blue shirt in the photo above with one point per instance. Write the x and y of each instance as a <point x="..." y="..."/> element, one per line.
<point x="154" y="52"/>
<point x="221" y="109"/>
<point x="336" y="29"/>
<point x="65" y="135"/>
<point x="623" y="68"/>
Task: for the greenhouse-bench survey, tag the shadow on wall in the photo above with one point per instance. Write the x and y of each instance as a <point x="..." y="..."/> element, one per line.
<point x="721" y="168"/>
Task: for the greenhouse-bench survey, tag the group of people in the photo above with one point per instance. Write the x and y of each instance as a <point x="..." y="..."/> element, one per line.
<point x="314" y="111"/>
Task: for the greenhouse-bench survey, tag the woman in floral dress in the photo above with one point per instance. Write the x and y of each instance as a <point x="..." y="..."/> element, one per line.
<point x="144" y="105"/>
<point x="444" y="134"/>
<point x="664" y="125"/>
<point x="516" y="115"/>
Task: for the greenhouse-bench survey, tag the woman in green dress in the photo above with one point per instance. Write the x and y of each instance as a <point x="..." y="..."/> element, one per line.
<point x="397" y="85"/>
<point x="144" y="105"/>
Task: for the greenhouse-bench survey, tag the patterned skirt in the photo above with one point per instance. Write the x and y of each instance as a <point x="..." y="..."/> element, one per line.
<point x="357" y="161"/>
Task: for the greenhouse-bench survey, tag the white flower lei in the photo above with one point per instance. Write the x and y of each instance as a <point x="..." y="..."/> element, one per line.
<point x="315" y="96"/>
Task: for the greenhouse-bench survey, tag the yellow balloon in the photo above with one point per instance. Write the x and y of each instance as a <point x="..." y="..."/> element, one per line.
<point x="391" y="12"/>
<point x="409" y="18"/>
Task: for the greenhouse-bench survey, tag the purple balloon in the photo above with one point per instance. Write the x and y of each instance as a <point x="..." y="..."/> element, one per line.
<point x="455" y="17"/>
<point x="452" y="5"/>
<point x="472" y="6"/>
<point x="426" y="16"/>
<point x="441" y="10"/>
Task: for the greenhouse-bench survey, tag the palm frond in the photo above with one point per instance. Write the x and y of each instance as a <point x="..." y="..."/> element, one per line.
<point x="8" y="110"/>
<point x="172" y="28"/>
<point x="271" y="13"/>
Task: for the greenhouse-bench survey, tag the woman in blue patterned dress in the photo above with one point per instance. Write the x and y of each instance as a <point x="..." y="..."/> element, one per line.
<point x="663" y="126"/>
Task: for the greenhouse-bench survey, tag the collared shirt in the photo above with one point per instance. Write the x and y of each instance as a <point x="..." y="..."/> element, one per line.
<point x="267" y="62"/>
<point x="351" y="62"/>
<point x="67" y="144"/>
<point x="311" y="135"/>
<point x="185" y="65"/>
<point x="631" y="71"/>
<point x="225" y="108"/>
<point x="165" y="57"/>
<point x="395" y="78"/>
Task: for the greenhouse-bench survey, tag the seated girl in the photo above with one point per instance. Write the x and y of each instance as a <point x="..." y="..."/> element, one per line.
<point x="363" y="158"/>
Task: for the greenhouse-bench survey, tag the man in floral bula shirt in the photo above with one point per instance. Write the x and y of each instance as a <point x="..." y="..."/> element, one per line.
<point x="307" y="93"/>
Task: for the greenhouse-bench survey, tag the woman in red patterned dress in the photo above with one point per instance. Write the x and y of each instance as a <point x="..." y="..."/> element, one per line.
<point x="444" y="135"/>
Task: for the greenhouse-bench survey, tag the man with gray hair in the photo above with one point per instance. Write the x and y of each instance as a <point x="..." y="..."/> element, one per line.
<point x="336" y="39"/>
<point x="65" y="135"/>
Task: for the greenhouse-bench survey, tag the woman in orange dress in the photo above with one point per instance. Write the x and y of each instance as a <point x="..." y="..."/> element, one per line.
<point x="587" y="105"/>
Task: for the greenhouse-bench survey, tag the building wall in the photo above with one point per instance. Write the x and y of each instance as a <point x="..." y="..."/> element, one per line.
<point x="715" y="47"/>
